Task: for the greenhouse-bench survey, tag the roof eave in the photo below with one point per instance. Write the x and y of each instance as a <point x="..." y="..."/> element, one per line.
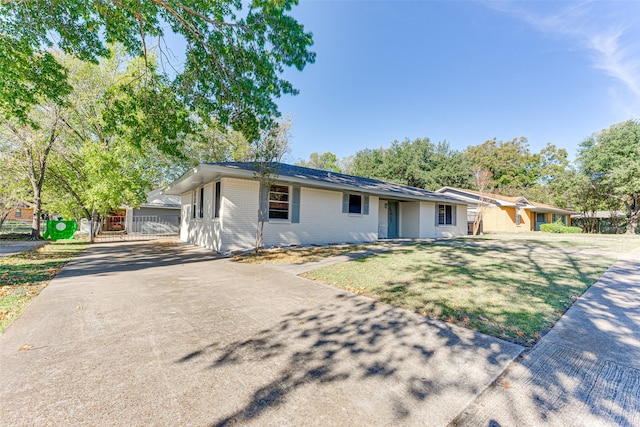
<point x="206" y="173"/>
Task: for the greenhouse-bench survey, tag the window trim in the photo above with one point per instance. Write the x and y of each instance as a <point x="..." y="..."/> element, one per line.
<point x="364" y="204"/>
<point x="518" y="217"/>
<point x="359" y="205"/>
<point x="201" y="203"/>
<point x="194" y="204"/>
<point x="288" y="202"/>
<point x="217" y="199"/>
<point x="452" y="215"/>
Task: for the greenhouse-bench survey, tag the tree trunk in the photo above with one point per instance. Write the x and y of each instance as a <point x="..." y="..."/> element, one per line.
<point x="634" y="214"/>
<point x="3" y="217"/>
<point x="632" y="224"/>
<point x="37" y="207"/>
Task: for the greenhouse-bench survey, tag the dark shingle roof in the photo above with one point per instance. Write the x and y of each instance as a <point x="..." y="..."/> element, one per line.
<point x="284" y="170"/>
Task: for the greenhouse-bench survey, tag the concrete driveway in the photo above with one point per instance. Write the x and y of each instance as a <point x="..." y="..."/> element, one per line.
<point x="166" y="334"/>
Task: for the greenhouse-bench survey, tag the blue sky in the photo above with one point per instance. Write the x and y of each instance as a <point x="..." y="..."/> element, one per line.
<point x="463" y="72"/>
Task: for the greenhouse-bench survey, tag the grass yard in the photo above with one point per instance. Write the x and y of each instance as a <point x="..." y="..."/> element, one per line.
<point x="299" y="255"/>
<point x="15" y="230"/>
<point x="23" y="276"/>
<point x="515" y="294"/>
<point x="613" y="244"/>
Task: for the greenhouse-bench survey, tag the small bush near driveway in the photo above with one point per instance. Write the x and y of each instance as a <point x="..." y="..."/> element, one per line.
<point x="515" y="294"/>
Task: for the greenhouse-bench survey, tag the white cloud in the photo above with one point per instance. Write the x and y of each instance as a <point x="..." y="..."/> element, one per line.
<point x="609" y="30"/>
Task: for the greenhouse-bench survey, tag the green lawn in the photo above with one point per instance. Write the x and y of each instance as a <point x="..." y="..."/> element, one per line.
<point x="24" y="275"/>
<point x="614" y="244"/>
<point x="516" y="294"/>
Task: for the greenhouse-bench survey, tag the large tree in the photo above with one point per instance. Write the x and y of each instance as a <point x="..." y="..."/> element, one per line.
<point x="26" y="150"/>
<point x="513" y="167"/>
<point x="326" y="161"/>
<point x="234" y="52"/>
<point x="111" y="150"/>
<point x="611" y="159"/>
<point x="12" y="190"/>
<point x="418" y="163"/>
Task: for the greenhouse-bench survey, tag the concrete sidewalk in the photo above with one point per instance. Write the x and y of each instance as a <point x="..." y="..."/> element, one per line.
<point x="584" y="372"/>
<point x="162" y="334"/>
<point x="9" y="247"/>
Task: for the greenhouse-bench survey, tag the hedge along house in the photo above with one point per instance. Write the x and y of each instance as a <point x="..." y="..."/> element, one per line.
<point x="221" y="202"/>
<point x="507" y="214"/>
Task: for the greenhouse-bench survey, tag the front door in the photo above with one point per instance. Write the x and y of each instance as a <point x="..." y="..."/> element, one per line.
<point x="541" y="218"/>
<point x="392" y="224"/>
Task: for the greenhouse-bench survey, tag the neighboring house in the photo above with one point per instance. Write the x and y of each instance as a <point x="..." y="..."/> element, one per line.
<point x="23" y="211"/>
<point x="221" y="201"/>
<point x="507" y="214"/>
<point x="601" y="221"/>
<point x="159" y="214"/>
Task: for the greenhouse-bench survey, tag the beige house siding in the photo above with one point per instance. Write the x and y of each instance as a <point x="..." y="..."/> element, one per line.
<point x="503" y="219"/>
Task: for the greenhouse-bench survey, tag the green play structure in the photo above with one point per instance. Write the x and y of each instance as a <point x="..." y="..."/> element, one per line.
<point x="57" y="230"/>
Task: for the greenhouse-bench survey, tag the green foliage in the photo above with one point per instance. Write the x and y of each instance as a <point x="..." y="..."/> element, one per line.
<point x="611" y="160"/>
<point x="28" y="76"/>
<point x="111" y="149"/>
<point x="325" y="161"/>
<point x="368" y="163"/>
<point x="418" y="163"/>
<point x="235" y="52"/>
<point x="511" y="164"/>
<point x="559" y="227"/>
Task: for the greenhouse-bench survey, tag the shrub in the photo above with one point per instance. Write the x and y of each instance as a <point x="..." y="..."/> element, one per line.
<point x="558" y="227"/>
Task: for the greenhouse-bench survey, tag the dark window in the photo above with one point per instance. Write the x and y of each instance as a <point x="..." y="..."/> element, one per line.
<point x="201" y="203"/>
<point x="18" y="213"/>
<point x="279" y="202"/>
<point x="217" y="202"/>
<point x="445" y="214"/>
<point x="355" y="203"/>
<point x="193" y="203"/>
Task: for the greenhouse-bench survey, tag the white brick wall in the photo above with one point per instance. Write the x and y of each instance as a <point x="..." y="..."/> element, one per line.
<point x="321" y="219"/>
<point x="429" y="228"/>
<point x="203" y="231"/>
<point x="410" y="220"/>
<point x="239" y="214"/>
<point x="322" y="222"/>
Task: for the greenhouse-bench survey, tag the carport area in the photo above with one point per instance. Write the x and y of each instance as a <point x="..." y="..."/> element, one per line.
<point x="160" y="333"/>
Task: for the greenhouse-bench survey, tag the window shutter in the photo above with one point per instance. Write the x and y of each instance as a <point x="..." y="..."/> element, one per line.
<point x="437" y="206"/>
<point x="345" y="203"/>
<point x="264" y="202"/>
<point x="365" y="208"/>
<point x="454" y="210"/>
<point x="295" y="206"/>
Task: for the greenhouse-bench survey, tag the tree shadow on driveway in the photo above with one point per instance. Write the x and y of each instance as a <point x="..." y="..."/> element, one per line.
<point x="369" y="362"/>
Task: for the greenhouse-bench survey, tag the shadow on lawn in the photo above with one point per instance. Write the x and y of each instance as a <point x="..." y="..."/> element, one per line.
<point x="584" y="369"/>
<point x="362" y="349"/>
<point x="518" y="278"/>
<point x="595" y="372"/>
